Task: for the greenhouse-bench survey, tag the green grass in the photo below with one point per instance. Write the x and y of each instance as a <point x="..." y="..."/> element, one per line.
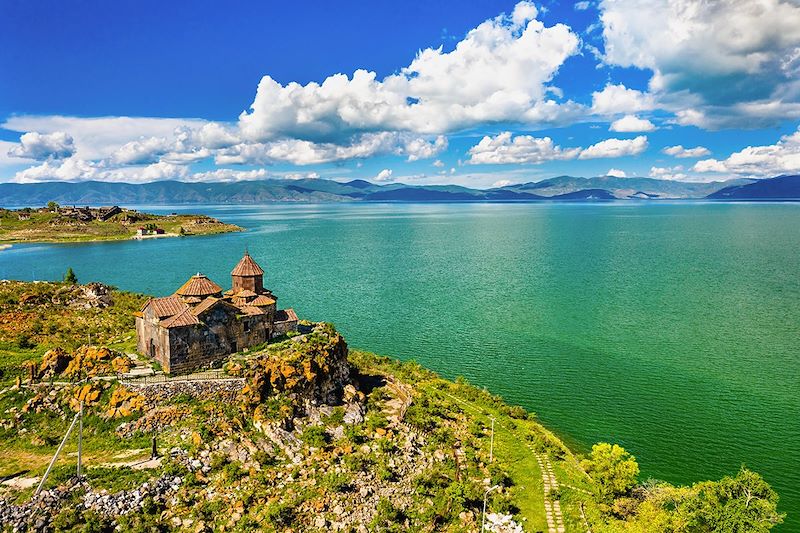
<point x="511" y="454"/>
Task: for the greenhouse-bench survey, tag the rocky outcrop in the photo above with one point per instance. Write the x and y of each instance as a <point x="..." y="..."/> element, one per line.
<point x="86" y="361"/>
<point x="312" y="370"/>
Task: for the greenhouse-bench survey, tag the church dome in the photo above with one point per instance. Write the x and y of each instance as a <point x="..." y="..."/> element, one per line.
<point x="199" y="286"/>
<point x="247" y="267"/>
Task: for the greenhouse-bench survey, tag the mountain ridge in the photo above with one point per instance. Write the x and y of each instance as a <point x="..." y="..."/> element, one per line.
<point x="322" y="190"/>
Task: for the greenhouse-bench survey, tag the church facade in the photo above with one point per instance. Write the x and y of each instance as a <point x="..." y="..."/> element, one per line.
<point x="200" y="325"/>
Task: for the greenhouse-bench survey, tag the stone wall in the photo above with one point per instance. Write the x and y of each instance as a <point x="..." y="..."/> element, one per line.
<point x="223" y="333"/>
<point x="153" y="340"/>
<point x="281" y="328"/>
<point x="224" y="389"/>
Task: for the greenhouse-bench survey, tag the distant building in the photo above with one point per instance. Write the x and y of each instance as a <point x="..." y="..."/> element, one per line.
<point x="88" y="214"/>
<point x="105" y="213"/>
<point x="200" y="325"/>
<point x="24" y="216"/>
<point x="144" y="231"/>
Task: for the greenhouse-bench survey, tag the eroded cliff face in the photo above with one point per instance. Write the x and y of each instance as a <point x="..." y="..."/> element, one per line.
<point x="309" y="371"/>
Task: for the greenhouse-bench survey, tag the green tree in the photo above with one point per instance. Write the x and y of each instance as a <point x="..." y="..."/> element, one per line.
<point x="732" y="505"/>
<point x="70" y="277"/>
<point x="613" y="470"/>
<point x="52" y="206"/>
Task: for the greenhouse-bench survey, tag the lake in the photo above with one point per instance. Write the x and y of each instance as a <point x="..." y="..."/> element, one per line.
<point x="670" y="328"/>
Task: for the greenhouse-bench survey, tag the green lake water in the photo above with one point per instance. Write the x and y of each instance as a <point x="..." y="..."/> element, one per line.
<point x="670" y="328"/>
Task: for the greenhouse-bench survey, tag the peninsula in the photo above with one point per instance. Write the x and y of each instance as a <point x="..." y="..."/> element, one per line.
<point x="297" y="433"/>
<point x="55" y="223"/>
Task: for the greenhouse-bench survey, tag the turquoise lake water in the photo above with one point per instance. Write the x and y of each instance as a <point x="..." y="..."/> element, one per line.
<point x="670" y="328"/>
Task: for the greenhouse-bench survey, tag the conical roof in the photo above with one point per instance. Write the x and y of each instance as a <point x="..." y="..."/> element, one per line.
<point x="200" y="286"/>
<point x="247" y="267"/>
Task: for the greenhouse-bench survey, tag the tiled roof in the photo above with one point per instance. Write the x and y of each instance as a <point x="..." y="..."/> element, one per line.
<point x="247" y="267"/>
<point x="205" y="305"/>
<point x="163" y="307"/>
<point x="263" y="300"/>
<point x="285" y="315"/>
<point x="253" y="311"/>
<point x="184" y="318"/>
<point x="199" y="285"/>
<point x="245" y="293"/>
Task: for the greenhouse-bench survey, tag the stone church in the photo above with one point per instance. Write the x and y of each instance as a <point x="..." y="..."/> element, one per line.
<point x="200" y="325"/>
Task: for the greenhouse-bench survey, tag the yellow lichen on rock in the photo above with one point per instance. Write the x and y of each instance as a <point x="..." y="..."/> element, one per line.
<point x="88" y="394"/>
<point x="86" y="361"/>
<point x="124" y="402"/>
<point x="54" y="362"/>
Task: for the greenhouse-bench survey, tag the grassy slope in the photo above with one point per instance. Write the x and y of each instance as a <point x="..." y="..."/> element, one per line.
<point x="39" y="326"/>
<point x="514" y="437"/>
<point x="40" y="229"/>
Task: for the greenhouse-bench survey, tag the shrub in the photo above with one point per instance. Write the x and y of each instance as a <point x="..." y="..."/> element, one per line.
<point x="315" y="436"/>
<point x="335" y="482"/>
<point x="24" y="342"/>
<point x="357" y="462"/>
<point x="515" y="411"/>
<point x="280" y="514"/>
<point x="387" y="517"/>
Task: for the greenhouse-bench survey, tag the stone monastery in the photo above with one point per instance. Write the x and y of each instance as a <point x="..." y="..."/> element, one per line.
<point x="200" y="325"/>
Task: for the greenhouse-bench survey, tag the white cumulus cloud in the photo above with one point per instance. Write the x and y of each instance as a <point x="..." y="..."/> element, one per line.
<point x="383" y="175"/>
<point x="76" y="169"/>
<point x="44" y="146"/>
<point x="615" y="148"/>
<point x="616" y="173"/>
<point x="681" y="152"/>
<point x="504" y="149"/>
<point x="303" y="152"/>
<point x="617" y="99"/>
<point x="668" y="173"/>
<point x="420" y="148"/>
<point x="99" y="138"/>
<point x="761" y="161"/>
<point x="499" y="72"/>
<point x="716" y="64"/>
<point x="632" y="123"/>
<point x="228" y="175"/>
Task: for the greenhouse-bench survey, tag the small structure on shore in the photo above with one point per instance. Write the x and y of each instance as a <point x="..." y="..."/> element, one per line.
<point x="200" y="325"/>
<point x="149" y="230"/>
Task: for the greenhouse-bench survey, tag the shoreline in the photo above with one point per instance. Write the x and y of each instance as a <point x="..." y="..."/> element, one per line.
<point x="4" y="245"/>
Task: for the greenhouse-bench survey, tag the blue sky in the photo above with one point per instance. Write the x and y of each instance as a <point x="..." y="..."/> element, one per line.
<point x="475" y="93"/>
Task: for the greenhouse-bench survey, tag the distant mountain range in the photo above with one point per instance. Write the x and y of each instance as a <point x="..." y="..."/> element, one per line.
<point x="782" y="187"/>
<point x="566" y="188"/>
